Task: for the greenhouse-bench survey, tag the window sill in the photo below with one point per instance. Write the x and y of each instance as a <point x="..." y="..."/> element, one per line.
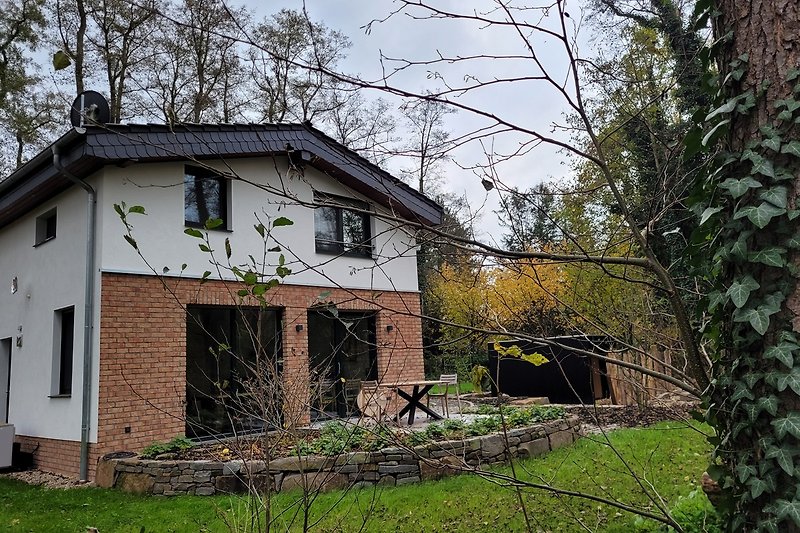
<point x="44" y="241"/>
<point x="54" y="396"/>
<point x="343" y="253"/>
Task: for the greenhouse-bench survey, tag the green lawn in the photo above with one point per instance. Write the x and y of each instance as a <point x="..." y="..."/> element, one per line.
<point x="671" y="457"/>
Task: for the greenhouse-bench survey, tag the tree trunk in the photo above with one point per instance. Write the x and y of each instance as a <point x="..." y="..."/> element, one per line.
<point x="762" y="454"/>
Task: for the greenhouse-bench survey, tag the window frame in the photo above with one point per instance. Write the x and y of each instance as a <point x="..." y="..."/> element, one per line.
<point x="199" y="173"/>
<point x="340" y="206"/>
<point x="63" y="357"/>
<point x="46" y="227"/>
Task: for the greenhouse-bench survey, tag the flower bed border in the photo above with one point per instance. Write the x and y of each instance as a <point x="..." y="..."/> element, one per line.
<point x="390" y="466"/>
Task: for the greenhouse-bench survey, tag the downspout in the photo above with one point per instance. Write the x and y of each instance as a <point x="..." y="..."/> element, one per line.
<point x="88" y="306"/>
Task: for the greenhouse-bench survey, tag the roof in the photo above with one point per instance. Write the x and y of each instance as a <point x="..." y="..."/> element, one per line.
<point x="84" y="153"/>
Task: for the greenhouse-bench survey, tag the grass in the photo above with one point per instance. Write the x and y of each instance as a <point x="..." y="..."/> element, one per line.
<point x="464" y="387"/>
<point x="670" y="456"/>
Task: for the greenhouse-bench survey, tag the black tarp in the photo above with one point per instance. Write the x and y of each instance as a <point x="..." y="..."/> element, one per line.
<point x="567" y="377"/>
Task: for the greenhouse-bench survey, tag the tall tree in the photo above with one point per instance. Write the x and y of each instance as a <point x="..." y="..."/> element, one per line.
<point x="290" y="56"/>
<point x="428" y="141"/>
<point x="530" y="218"/>
<point x="748" y="233"/>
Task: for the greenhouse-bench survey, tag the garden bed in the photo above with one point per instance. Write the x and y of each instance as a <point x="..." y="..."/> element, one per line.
<point x="403" y="462"/>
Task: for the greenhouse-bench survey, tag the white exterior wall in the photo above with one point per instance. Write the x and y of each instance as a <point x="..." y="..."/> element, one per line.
<point x="159" y="188"/>
<point x="50" y="277"/>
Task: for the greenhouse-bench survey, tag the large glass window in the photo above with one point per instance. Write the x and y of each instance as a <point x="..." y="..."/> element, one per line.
<point x="233" y="370"/>
<point x="339" y="230"/>
<point x="205" y="196"/>
<point x="342" y="353"/>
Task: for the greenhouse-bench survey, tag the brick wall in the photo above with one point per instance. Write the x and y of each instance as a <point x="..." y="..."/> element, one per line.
<point x="58" y="456"/>
<point x="143" y="344"/>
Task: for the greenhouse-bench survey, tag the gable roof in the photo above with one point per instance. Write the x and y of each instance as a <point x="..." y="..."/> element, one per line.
<point x="82" y="154"/>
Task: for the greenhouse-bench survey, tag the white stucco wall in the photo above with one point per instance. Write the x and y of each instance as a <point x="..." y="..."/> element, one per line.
<point x="159" y="188"/>
<point x="50" y="277"/>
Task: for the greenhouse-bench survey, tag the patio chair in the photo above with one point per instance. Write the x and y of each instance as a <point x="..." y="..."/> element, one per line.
<point x="376" y="402"/>
<point x="450" y="380"/>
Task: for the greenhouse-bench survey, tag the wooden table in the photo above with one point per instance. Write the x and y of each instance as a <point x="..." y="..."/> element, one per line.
<point x="414" y="400"/>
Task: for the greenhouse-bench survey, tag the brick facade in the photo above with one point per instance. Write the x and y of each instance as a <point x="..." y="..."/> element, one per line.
<point x="143" y="343"/>
<point x="57" y="456"/>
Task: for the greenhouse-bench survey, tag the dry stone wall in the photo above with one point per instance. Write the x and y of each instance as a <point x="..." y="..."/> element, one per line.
<point x="390" y="466"/>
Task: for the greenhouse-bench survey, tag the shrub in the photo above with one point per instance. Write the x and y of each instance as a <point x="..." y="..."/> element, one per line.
<point x="693" y="512"/>
<point x="178" y="444"/>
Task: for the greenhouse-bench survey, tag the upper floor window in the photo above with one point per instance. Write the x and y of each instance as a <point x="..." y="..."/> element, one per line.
<point x="45" y="227"/>
<point x="339" y="230"/>
<point x="205" y="196"/>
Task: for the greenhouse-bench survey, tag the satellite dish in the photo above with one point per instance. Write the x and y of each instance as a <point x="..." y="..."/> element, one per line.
<point x="89" y="107"/>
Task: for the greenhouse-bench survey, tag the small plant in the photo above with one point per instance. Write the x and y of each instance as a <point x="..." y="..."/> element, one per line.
<point x="178" y="444"/>
<point x="479" y="375"/>
<point x="693" y="512"/>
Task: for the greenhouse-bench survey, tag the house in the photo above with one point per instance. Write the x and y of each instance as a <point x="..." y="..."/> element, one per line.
<point x="165" y="344"/>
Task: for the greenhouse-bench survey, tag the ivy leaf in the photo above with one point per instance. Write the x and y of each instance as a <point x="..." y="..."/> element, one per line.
<point x="740" y="290"/>
<point x="716" y="132"/>
<point x="260" y="229"/>
<point x="783" y="352"/>
<point x="737" y="188"/>
<point x="708" y="213"/>
<point x="715" y="298"/>
<point x="250" y="278"/>
<point x="739" y="247"/>
<point x="745" y="472"/>
<point x="784" y="456"/>
<point x="758" y="318"/>
<point x="131" y="241"/>
<point x="138" y="209"/>
<point x="788" y="509"/>
<point x="192" y="232"/>
<point x="792" y="148"/>
<point x="790" y="424"/>
<point x="777" y="196"/>
<point x="761" y="215"/>
<point x="763" y="166"/>
<point x="773" y="144"/>
<point x="768" y="404"/>
<point x="757" y="487"/>
<point x="752" y="378"/>
<point x="790" y="379"/>
<point x="228" y="250"/>
<point x="742" y="392"/>
<point x="772" y="302"/>
<point x="772" y="256"/>
<point x="242" y="292"/>
<point x="725" y="108"/>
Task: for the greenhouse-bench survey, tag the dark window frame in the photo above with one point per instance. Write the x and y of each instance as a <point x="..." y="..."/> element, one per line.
<point x="63" y="353"/>
<point x="339" y="246"/>
<point x="198" y="173"/>
<point x="46" y="227"/>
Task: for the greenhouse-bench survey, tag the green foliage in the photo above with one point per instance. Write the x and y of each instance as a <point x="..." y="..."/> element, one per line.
<point x="749" y="230"/>
<point x="176" y="445"/>
<point x="479" y="376"/>
<point x="693" y="512"/>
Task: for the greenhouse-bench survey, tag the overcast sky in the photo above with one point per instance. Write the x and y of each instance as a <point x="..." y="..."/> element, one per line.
<point x="532" y="105"/>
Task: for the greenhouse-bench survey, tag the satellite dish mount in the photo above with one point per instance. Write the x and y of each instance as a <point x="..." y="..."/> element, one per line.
<point x="89" y="108"/>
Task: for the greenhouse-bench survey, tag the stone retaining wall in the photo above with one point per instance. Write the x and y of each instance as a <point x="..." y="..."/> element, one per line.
<point x="389" y="466"/>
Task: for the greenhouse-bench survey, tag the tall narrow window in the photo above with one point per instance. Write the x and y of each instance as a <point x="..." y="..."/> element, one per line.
<point x="45" y="227"/>
<point x="64" y="341"/>
<point x="338" y="230"/>
<point x="205" y="196"/>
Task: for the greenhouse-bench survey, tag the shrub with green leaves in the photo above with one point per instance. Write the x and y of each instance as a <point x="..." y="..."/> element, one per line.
<point x="176" y="445"/>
